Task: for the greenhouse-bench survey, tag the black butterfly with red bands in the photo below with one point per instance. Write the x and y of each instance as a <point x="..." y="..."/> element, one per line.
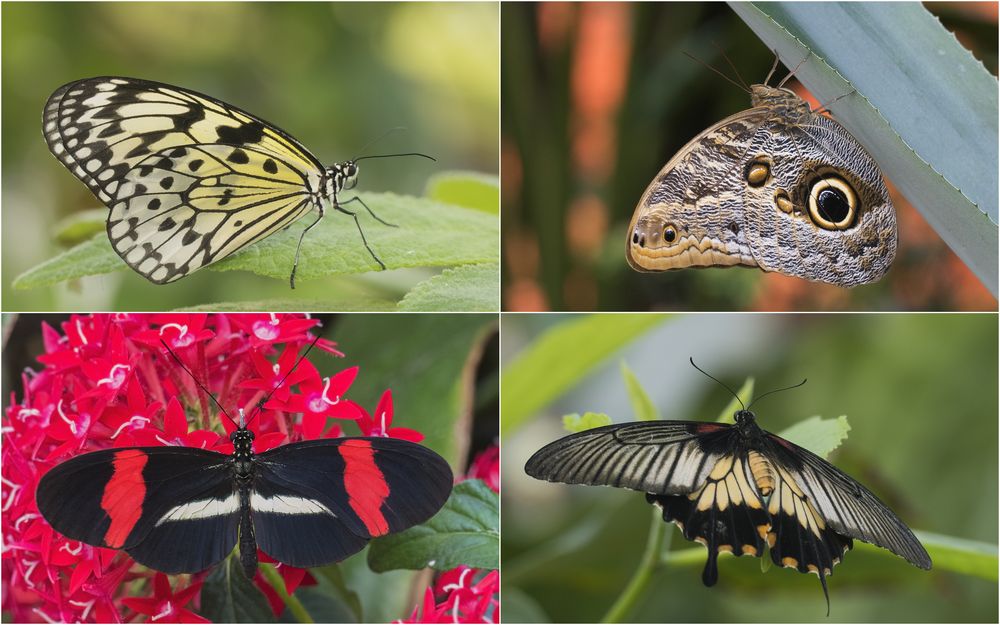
<point x="182" y="509"/>
<point x="734" y="488"/>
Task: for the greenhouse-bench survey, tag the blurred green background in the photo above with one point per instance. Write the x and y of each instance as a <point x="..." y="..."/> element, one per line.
<point x="334" y="75"/>
<point x="596" y="98"/>
<point x="920" y="394"/>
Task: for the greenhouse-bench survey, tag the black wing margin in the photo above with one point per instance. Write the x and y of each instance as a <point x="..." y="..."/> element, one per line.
<point x="846" y="505"/>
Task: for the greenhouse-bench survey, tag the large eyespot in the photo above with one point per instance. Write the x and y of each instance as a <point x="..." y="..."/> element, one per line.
<point x="833" y="204"/>
<point x="669" y="233"/>
<point x="758" y="172"/>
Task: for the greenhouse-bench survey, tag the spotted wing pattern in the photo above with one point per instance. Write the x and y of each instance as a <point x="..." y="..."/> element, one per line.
<point x="189" y="179"/>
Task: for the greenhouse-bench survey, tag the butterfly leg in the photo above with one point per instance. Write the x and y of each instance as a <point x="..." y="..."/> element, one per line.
<point x="377" y="218"/>
<point x="295" y="264"/>
<point x="340" y="208"/>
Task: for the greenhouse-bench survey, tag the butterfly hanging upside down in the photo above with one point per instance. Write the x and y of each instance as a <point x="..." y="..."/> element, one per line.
<point x="734" y="488"/>
<point x="189" y="179"/>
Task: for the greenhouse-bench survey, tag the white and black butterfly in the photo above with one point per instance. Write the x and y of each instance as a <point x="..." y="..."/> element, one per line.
<point x="189" y="179"/>
<point x="734" y="488"/>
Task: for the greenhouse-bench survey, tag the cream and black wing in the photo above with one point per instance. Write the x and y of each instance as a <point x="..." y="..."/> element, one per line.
<point x="189" y="179"/>
<point x="659" y="457"/>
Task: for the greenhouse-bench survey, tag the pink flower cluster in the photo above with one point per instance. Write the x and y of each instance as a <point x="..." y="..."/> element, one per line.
<point x="107" y="381"/>
<point x="465" y="595"/>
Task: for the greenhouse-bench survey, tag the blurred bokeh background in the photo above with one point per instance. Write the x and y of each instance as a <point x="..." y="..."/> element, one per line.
<point x="919" y="392"/>
<point x="596" y="98"/>
<point x="334" y="75"/>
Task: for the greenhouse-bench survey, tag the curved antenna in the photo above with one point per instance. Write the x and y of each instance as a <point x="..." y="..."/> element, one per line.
<point x="380" y="137"/>
<point x="260" y="404"/>
<point x="777" y="390"/>
<point x="361" y="158"/>
<point x="196" y="381"/>
<point x="723" y="384"/>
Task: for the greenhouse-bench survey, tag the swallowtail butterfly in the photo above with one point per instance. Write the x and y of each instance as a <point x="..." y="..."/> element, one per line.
<point x="734" y="488"/>
<point x="189" y="179"/>
<point x="182" y="509"/>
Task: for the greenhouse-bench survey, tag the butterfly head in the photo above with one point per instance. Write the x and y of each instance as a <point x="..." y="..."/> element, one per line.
<point x="744" y="417"/>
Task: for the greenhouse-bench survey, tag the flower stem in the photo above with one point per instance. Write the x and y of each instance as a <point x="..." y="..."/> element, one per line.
<point x="292" y="603"/>
<point x="640" y="579"/>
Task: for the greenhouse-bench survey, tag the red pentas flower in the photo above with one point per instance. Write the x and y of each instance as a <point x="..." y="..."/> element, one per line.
<point x="380" y="424"/>
<point x="107" y="381"/>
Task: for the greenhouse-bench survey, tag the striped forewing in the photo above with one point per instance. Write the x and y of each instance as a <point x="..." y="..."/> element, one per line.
<point x="660" y="457"/>
<point x="847" y="506"/>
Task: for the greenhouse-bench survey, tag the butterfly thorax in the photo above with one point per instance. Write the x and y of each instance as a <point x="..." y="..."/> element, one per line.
<point x="783" y="101"/>
<point x="339" y="177"/>
<point x="242" y="458"/>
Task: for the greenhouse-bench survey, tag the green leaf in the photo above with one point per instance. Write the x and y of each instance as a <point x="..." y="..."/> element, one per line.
<point x="968" y="557"/>
<point x="229" y="597"/>
<point x="574" y="423"/>
<point x="913" y="96"/>
<point x="81" y="226"/>
<point x="466" y="531"/>
<point x="345" y="304"/>
<point x="428" y="234"/>
<point x="468" y="288"/>
<point x="468" y="189"/>
<point x="818" y="435"/>
<point x="561" y="357"/>
<point x="427" y="361"/>
<point x="642" y="406"/>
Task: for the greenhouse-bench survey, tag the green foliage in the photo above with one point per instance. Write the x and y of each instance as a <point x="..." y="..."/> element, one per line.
<point x="429" y="234"/>
<point x="465" y="531"/>
<point x="468" y="287"/>
<point x="643" y="408"/>
<point x="229" y="597"/>
<point x="466" y="188"/>
<point x="426" y="360"/>
<point x="560" y="359"/>
<point x="574" y="423"/>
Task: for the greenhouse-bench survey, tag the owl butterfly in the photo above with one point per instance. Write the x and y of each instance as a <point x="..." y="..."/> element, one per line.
<point x="779" y="187"/>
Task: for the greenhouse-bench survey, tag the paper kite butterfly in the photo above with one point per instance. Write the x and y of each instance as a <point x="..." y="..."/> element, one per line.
<point x="183" y="509"/>
<point x="734" y="488"/>
<point x="189" y="179"/>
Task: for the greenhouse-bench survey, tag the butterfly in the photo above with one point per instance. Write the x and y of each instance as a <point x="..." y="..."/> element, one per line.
<point x="734" y="488"/>
<point x="183" y="509"/>
<point x="188" y="178"/>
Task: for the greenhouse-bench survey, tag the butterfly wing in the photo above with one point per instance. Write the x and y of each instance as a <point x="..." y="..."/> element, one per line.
<point x="660" y="457"/>
<point x="189" y="179"/>
<point x="817" y="493"/>
<point x="817" y="208"/>
<point x="173" y="509"/>
<point x="317" y="502"/>
<point x="692" y="213"/>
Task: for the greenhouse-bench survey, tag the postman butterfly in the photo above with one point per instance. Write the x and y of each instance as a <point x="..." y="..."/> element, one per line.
<point x="734" y="488"/>
<point x="183" y="509"/>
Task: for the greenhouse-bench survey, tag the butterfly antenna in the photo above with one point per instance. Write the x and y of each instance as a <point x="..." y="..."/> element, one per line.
<point x="719" y="381"/>
<point x="260" y="404"/>
<point x="361" y="158"/>
<point x="778" y="390"/>
<point x="727" y="79"/>
<point x="196" y="381"/>
<point x="380" y="137"/>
